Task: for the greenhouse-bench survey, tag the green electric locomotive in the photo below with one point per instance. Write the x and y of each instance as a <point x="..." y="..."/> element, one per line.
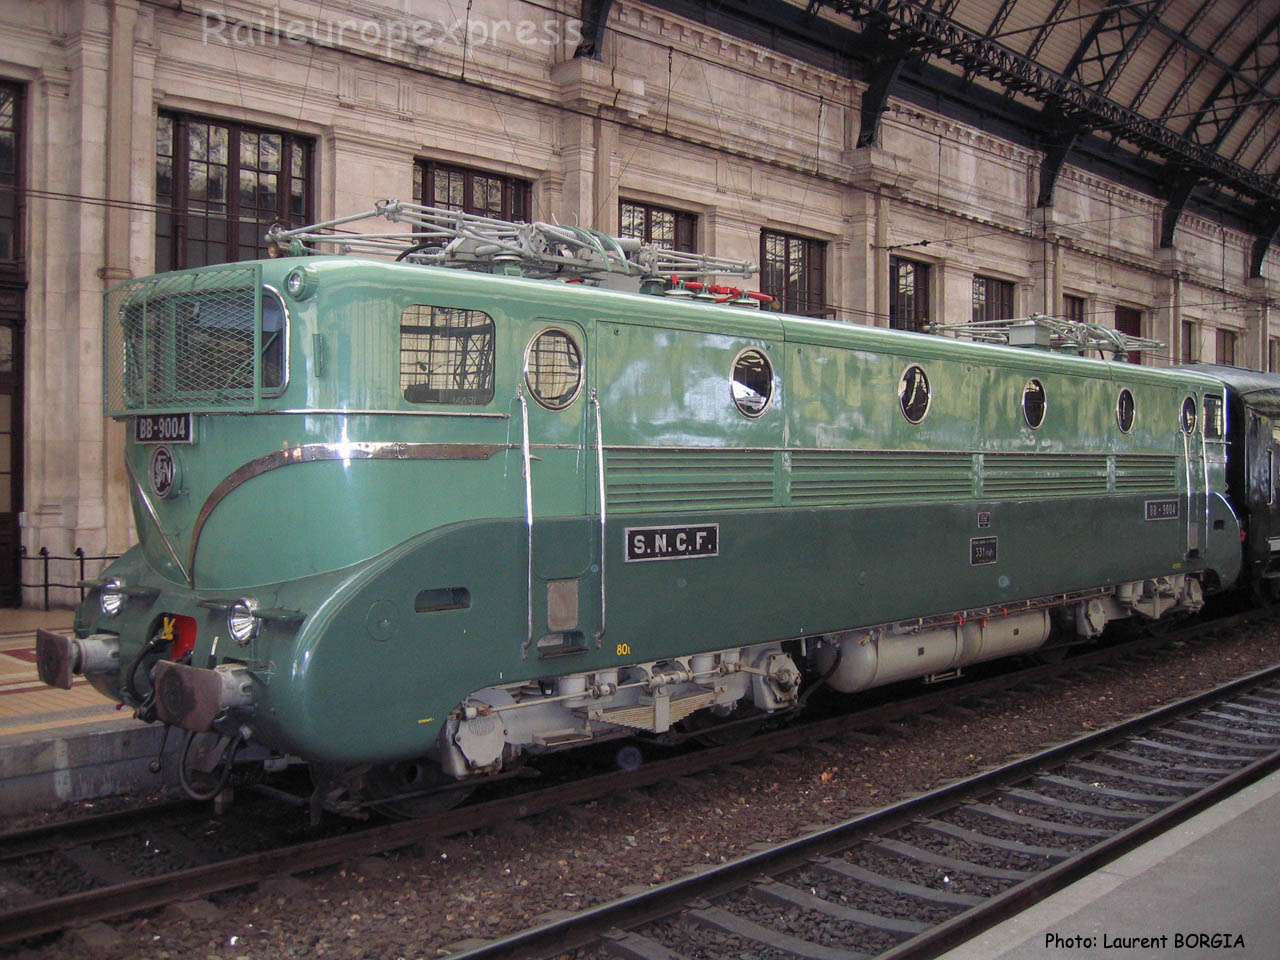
<point x="410" y="523"/>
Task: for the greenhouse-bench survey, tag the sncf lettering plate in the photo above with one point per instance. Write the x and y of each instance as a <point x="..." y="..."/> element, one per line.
<point x="1162" y="509"/>
<point x="672" y="543"/>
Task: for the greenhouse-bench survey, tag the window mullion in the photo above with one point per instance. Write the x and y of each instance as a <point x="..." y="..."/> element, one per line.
<point x="233" y="193"/>
<point x="284" y="186"/>
<point x="181" y="195"/>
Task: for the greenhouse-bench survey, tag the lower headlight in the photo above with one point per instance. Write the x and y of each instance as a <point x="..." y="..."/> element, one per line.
<point x="242" y="621"/>
<point x="111" y="600"/>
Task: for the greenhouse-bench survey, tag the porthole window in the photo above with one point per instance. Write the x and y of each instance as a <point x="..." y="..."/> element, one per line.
<point x="553" y="368"/>
<point x="1188" y="418"/>
<point x="752" y="384"/>
<point x="1033" y="403"/>
<point x="1124" y="410"/>
<point x="913" y="393"/>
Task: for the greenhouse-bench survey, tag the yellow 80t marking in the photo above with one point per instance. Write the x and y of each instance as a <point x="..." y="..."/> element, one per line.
<point x="624" y="649"/>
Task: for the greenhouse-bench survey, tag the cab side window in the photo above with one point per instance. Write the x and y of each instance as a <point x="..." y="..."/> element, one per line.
<point x="446" y="355"/>
<point x="1213" y="425"/>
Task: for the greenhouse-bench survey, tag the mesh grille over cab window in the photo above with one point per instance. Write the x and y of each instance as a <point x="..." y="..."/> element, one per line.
<point x="186" y="341"/>
<point x="446" y="355"/>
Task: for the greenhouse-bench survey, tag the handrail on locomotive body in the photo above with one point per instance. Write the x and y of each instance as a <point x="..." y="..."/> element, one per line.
<point x="451" y="238"/>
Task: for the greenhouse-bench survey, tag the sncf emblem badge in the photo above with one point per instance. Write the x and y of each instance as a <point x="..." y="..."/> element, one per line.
<point x="164" y="472"/>
<point x="672" y="543"/>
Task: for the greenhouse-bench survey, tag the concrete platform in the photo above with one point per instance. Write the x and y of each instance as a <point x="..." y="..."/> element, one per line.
<point x="1217" y="874"/>
<point x="64" y="746"/>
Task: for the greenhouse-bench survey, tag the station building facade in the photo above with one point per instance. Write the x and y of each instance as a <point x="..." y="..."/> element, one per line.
<point x="138" y="137"/>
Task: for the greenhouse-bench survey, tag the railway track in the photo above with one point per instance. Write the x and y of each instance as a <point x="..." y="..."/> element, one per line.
<point x="918" y="878"/>
<point x="106" y="892"/>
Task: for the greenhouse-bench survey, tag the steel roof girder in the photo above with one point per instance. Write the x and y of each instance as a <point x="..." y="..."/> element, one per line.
<point x="910" y="22"/>
<point x="1192" y="75"/>
<point x="1042" y="37"/>
<point x="993" y="28"/>
<point x="1258" y="128"/>
<point x="1269" y="149"/>
<point x="1178" y="40"/>
<point x="1234" y="75"/>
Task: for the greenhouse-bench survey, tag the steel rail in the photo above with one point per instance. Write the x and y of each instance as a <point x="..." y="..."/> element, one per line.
<point x="591" y="925"/>
<point x="108" y="901"/>
<point x="89" y="829"/>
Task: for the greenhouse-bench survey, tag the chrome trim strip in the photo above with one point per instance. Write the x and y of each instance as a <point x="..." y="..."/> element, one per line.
<point x="595" y="402"/>
<point x="702" y="449"/>
<point x="319" y="452"/>
<point x="332" y="412"/>
<point x="527" y="470"/>
<point x="155" y="519"/>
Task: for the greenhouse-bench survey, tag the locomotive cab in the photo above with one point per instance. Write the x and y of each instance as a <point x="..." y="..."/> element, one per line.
<point x="1252" y="434"/>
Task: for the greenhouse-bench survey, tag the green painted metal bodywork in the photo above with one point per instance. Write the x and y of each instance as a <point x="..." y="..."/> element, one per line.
<point x="834" y="512"/>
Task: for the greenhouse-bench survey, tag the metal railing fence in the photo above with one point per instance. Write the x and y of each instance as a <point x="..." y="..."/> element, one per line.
<point x="46" y="559"/>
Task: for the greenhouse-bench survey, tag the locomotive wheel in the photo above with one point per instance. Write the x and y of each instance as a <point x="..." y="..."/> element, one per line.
<point x="410" y="788"/>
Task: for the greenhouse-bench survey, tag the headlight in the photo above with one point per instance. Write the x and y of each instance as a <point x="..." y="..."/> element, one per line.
<point x="242" y="622"/>
<point x="300" y="283"/>
<point x="111" y="599"/>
